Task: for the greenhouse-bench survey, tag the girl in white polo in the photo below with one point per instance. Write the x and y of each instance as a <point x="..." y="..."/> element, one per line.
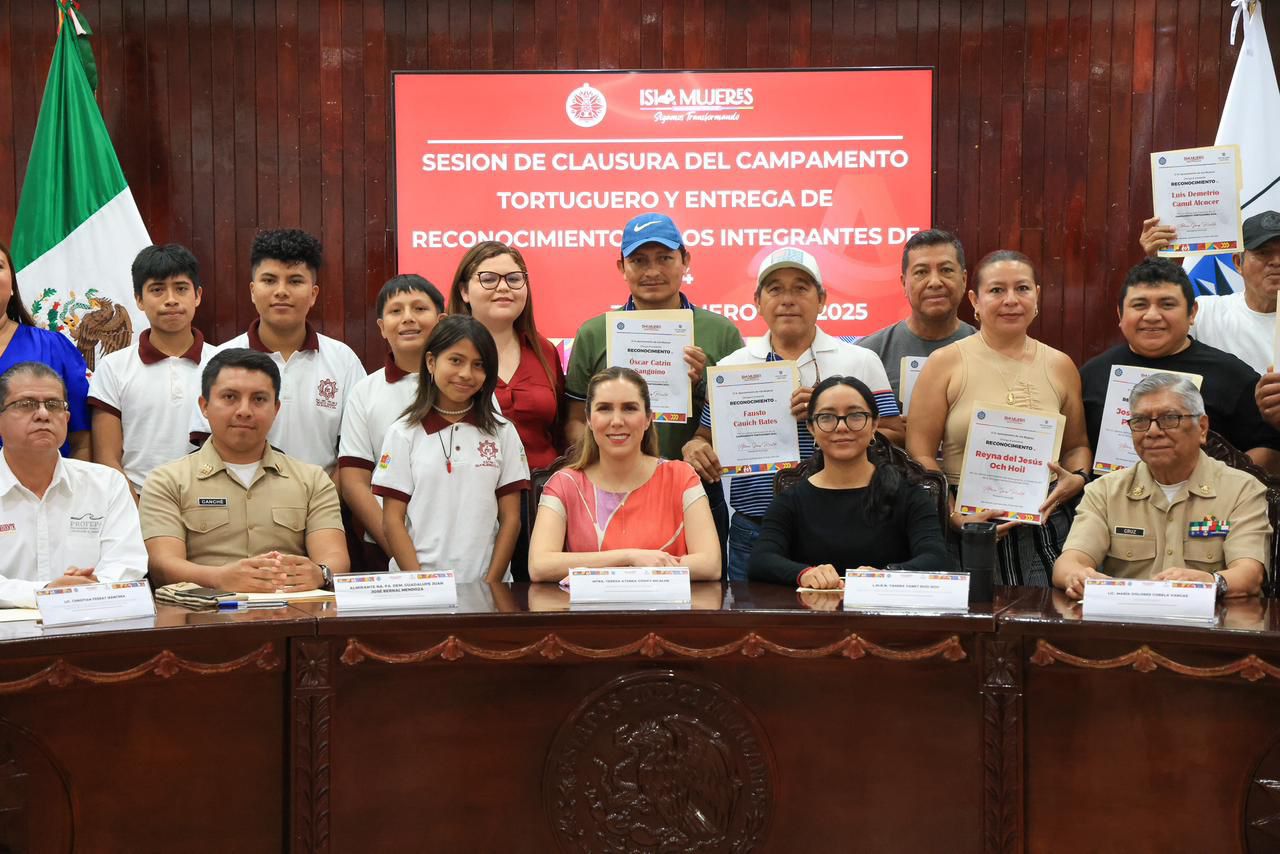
<point x="451" y="469"/>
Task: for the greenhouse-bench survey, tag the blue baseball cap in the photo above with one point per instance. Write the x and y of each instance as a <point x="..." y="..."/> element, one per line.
<point x="650" y="228"/>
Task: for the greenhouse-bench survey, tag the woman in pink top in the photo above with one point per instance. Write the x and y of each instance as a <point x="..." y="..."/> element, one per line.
<point x="620" y="504"/>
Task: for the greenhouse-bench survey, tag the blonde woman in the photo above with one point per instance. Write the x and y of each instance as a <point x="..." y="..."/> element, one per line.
<point x="620" y="504"/>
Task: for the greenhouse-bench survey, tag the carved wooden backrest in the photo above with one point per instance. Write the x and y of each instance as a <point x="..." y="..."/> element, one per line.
<point x="1220" y="449"/>
<point x="881" y="452"/>
<point x="537" y="480"/>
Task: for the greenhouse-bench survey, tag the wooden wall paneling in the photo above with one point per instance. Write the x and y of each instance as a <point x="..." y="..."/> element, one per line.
<point x="779" y="33"/>
<point x="200" y="77"/>
<point x="692" y="21"/>
<point x="946" y="122"/>
<point x="353" y="214"/>
<point x="1032" y="169"/>
<point x="311" y="60"/>
<point x="650" y="32"/>
<point x="331" y="140"/>
<point x="908" y="26"/>
<point x="1122" y="219"/>
<point x="1054" y="187"/>
<point x="1163" y="129"/>
<point x="821" y="26"/>
<point x="588" y="30"/>
<point x="266" y="112"/>
<point x="673" y="41"/>
<point x="160" y="142"/>
<point x="802" y="33"/>
<point x="843" y="33"/>
<point x="1093" y="255"/>
<point x="9" y="177"/>
<point x="925" y="34"/>
<point x="610" y="36"/>
<point x="985" y="162"/>
<point x="757" y="35"/>
<point x="1012" y="74"/>
<point x="735" y="40"/>
<point x="288" y="122"/>
<point x="1074" y="269"/>
<point x="1215" y="60"/>
<point x="884" y="47"/>
<point x="376" y="120"/>
<point x="1187" y="55"/>
<point x="544" y="34"/>
<point x="437" y="37"/>
<point x="480" y="27"/>
<point x="135" y="155"/>
<point x="229" y="272"/>
<point x="968" y="105"/>
<point x="459" y="34"/>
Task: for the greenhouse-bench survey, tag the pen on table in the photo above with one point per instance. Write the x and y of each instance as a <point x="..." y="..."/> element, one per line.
<point x="245" y="604"/>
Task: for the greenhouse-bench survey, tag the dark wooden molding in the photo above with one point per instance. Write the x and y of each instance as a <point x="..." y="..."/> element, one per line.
<point x="1146" y="660"/>
<point x="165" y="664"/>
<point x="312" y="705"/>
<point x="1002" y="814"/>
<point x="652" y="645"/>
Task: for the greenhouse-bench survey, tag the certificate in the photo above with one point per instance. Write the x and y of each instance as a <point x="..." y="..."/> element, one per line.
<point x="1115" y="441"/>
<point x="752" y="427"/>
<point x="908" y="373"/>
<point x="652" y="343"/>
<point x="1197" y="191"/>
<point x="1006" y="461"/>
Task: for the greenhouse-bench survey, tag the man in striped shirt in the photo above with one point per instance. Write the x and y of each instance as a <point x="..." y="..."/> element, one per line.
<point x="789" y="295"/>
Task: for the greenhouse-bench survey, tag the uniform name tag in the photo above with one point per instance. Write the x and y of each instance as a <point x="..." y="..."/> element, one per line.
<point x="213" y="502"/>
<point x="1131" y="532"/>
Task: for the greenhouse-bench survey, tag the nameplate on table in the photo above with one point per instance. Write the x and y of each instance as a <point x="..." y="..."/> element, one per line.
<point x="898" y="589"/>
<point x="1165" y="600"/>
<point x="78" y="604"/>
<point x="630" y="585"/>
<point x="395" y="590"/>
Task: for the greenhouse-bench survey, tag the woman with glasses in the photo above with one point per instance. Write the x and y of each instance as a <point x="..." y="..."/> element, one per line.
<point x="1004" y="366"/>
<point x="22" y="341"/>
<point x="492" y="285"/>
<point x="851" y="513"/>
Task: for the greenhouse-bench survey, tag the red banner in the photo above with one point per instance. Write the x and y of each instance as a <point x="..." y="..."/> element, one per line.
<point x="837" y="162"/>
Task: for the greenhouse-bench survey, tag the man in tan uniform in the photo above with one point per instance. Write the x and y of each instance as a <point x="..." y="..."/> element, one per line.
<point x="1178" y="515"/>
<point x="237" y="514"/>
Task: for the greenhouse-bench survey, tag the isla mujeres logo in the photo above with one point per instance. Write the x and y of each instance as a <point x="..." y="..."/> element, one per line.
<point x="586" y="106"/>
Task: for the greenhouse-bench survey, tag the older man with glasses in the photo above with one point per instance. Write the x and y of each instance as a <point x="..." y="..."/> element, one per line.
<point x="1178" y="515"/>
<point x="62" y="521"/>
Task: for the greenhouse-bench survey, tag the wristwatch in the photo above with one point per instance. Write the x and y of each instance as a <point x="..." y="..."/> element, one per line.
<point x="327" y="575"/>
<point x="1221" y="581"/>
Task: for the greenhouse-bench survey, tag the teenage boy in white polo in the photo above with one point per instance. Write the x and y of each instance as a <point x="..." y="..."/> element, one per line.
<point x="141" y="395"/>
<point x="408" y="308"/>
<point x="317" y="373"/>
<point x="789" y="295"/>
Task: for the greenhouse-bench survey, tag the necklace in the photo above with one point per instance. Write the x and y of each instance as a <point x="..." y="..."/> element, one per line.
<point x="1020" y="380"/>
<point x="463" y="411"/>
<point x="447" y="450"/>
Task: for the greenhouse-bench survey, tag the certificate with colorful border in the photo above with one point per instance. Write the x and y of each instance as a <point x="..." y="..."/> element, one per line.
<point x="1115" y="441"/>
<point x="652" y="343"/>
<point x="752" y="427"/>
<point x="1006" y="461"/>
<point x="1197" y="191"/>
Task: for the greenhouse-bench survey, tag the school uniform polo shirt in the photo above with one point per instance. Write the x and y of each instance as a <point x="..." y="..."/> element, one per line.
<point x="198" y="500"/>
<point x="375" y="404"/>
<point x="751" y="494"/>
<point x="451" y="477"/>
<point x="152" y="395"/>
<point x="86" y="518"/>
<point x="1127" y="525"/>
<point x="315" y="384"/>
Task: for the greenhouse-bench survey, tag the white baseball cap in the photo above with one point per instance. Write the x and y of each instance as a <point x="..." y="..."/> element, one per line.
<point x="789" y="256"/>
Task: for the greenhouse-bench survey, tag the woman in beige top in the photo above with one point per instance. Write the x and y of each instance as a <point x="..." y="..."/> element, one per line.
<point x="1004" y="365"/>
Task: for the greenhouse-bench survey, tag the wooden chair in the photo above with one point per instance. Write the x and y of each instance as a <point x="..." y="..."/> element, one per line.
<point x="1220" y="449"/>
<point x="881" y="452"/>
<point x="537" y="480"/>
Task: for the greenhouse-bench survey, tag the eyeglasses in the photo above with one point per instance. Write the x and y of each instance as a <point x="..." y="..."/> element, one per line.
<point x="828" y="421"/>
<point x="28" y="405"/>
<point x="1168" y="421"/>
<point x="489" y="281"/>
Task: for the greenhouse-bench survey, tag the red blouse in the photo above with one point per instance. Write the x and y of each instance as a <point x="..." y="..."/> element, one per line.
<point x="530" y="401"/>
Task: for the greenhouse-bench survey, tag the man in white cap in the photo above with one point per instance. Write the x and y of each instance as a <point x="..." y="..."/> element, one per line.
<point x="789" y="296"/>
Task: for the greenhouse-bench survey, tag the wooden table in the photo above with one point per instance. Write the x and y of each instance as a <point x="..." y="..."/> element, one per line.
<point x="757" y="720"/>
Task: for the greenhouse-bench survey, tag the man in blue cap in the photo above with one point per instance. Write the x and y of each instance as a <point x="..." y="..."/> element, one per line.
<point x="653" y="262"/>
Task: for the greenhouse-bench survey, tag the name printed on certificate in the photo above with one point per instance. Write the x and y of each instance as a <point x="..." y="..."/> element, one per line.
<point x="1115" y="441"/>
<point x="652" y="343"/>
<point x="1006" y="461"/>
<point x="752" y="428"/>
<point x="1197" y="191"/>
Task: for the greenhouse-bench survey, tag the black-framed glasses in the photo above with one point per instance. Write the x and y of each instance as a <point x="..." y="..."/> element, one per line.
<point x="827" y="422"/>
<point x="28" y="405"/>
<point x="515" y="280"/>
<point x="1168" y="421"/>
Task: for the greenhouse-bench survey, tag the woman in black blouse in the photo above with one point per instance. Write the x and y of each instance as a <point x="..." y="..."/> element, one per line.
<point x="851" y="513"/>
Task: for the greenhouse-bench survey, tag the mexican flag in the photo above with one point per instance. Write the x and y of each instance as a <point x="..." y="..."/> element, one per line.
<point x="77" y="228"/>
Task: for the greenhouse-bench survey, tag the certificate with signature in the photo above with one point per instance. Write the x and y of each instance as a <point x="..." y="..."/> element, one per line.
<point x="752" y="427"/>
<point x="1197" y="191"/>
<point x="652" y="343"/>
<point x="1006" y="461"/>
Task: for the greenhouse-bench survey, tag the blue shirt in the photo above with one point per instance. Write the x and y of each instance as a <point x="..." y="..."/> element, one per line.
<point x="33" y="344"/>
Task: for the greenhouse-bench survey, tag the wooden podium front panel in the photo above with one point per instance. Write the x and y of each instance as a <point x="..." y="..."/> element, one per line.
<point x="168" y="738"/>
<point x="581" y="732"/>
